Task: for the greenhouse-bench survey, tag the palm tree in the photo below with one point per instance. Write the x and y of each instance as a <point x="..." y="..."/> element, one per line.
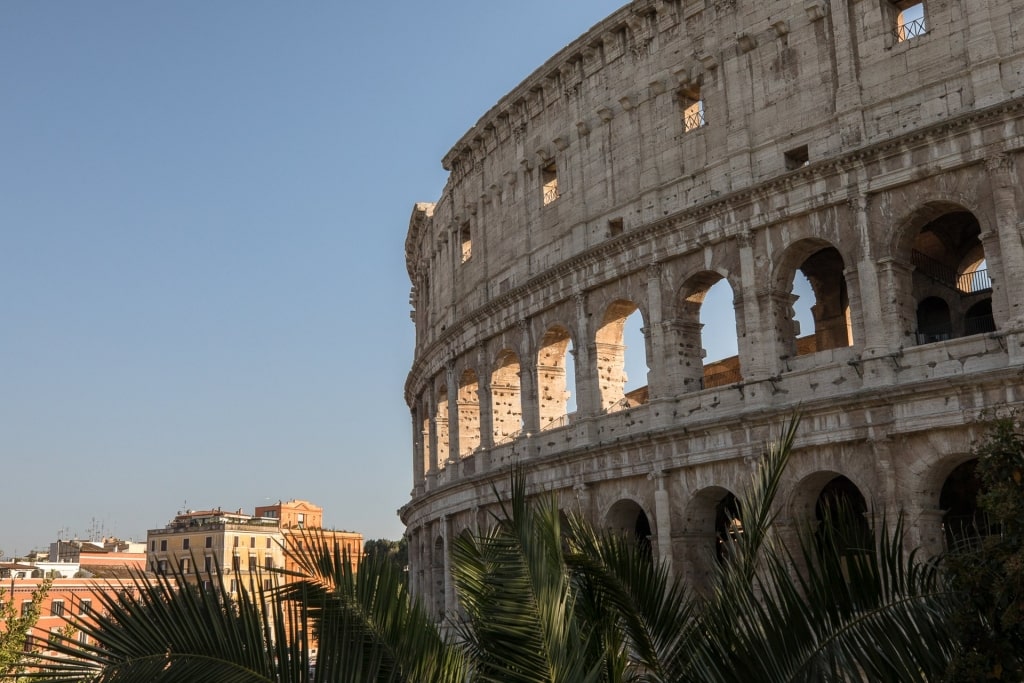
<point x="543" y="601"/>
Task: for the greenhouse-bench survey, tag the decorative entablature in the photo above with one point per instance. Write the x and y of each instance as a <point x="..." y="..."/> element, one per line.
<point x="419" y="225"/>
<point x="631" y="30"/>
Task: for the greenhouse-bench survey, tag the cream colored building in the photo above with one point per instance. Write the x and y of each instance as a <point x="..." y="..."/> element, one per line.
<point x="244" y="546"/>
<point x="875" y="148"/>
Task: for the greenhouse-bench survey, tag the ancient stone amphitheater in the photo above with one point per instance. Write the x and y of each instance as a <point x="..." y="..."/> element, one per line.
<point x="869" y="148"/>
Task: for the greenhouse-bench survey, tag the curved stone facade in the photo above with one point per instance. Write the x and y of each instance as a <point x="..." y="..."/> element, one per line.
<point x="872" y="146"/>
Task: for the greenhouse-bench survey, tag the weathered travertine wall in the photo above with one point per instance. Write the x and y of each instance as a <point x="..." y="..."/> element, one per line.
<point x="680" y="143"/>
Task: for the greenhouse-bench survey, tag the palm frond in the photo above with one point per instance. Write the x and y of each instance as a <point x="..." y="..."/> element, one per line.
<point x="514" y="588"/>
<point x="167" y="629"/>
<point x="851" y="604"/>
<point x="375" y="630"/>
<point x="623" y="587"/>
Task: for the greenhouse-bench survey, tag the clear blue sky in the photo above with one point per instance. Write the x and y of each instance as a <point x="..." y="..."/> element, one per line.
<point x="203" y="207"/>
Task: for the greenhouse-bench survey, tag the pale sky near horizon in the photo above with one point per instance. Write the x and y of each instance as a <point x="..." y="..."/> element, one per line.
<point x="203" y="208"/>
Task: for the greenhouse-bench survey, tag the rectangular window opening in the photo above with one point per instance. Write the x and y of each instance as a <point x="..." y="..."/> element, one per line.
<point x="797" y="158"/>
<point x="909" y="20"/>
<point x="692" y="105"/>
<point x="57" y="608"/>
<point x="615" y="227"/>
<point x="466" y="239"/>
<point x="184" y="544"/>
<point x="549" y="179"/>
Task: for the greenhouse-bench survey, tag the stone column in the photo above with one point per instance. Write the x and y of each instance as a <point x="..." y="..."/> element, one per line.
<point x="528" y="396"/>
<point x="449" y="588"/>
<point x="484" y="399"/>
<point x="588" y="394"/>
<point x="418" y="452"/>
<point x="658" y="384"/>
<point x="1003" y="180"/>
<point x="433" y="465"/>
<point x="663" y="515"/>
<point x="585" y="504"/>
<point x="757" y="350"/>
<point x="874" y="324"/>
<point x="453" y="413"/>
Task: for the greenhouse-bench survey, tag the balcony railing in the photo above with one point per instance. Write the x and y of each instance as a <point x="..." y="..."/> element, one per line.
<point x="910" y="29"/>
<point x="972" y="282"/>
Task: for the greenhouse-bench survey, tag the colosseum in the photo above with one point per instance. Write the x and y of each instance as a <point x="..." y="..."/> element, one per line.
<point x="868" y="148"/>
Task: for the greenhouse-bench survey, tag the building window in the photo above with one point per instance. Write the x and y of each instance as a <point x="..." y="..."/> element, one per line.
<point x="207" y="564"/>
<point x="236" y="563"/>
<point x="549" y="180"/>
<point x="797" y="158"/>
<point x="57" y="608"/>
<point x="267" y="584"/>
<point x="268" y="562"/>
<point x="152" y="546"/>
<point x="209" y="541"/>
<point x="85" y="606"/>
<point x="301" y="518"/>
<point x="268" y="542"/>
<point x="252" y="563"/>
<point x="615" y="227"/>
<point x="163" y="544"/>
<point x="252" y="541"/>
<point x="83" y="638"/>
<point x="909" y="20"/>
<point x="692" y="107"/>
<point x="162" y="567"/>
<point x="466" y="240"/>
<point x="183" y="565"/>
<point x="234" y="585"/>
<point x="184" y="544"/>
<point x="26" y="607"/>
<point x="236" y="541"/>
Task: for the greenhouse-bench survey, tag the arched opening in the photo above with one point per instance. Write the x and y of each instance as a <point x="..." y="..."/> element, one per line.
<point x="933" y="320"/>
<point x="427" y="453"/>
<point x="708" y="329"/>
<point x="841" y="514"/>
<point x="822" y="267"/>
<point x="552" y="388"/>
<point x="437" y="578"/>
<point x="635" y="359"/>
<point x="441" y="424"/>
<point x="506" y="398"/>
<point x="728" y="526"/>
<point x="959" y="503"/>
<point x="611" y="350"/>
<point x="469" y="413"/>
<point x="718" y="336"/>
<point x="950" y="265"/>
<point x="978" y="318"/>
<point x="629" y="519"/>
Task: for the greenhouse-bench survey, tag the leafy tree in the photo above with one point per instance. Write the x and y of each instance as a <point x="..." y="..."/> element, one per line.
<point x="988" y="567"/>
<point x="396" y="551"/>
<point x="18" y="622"/>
